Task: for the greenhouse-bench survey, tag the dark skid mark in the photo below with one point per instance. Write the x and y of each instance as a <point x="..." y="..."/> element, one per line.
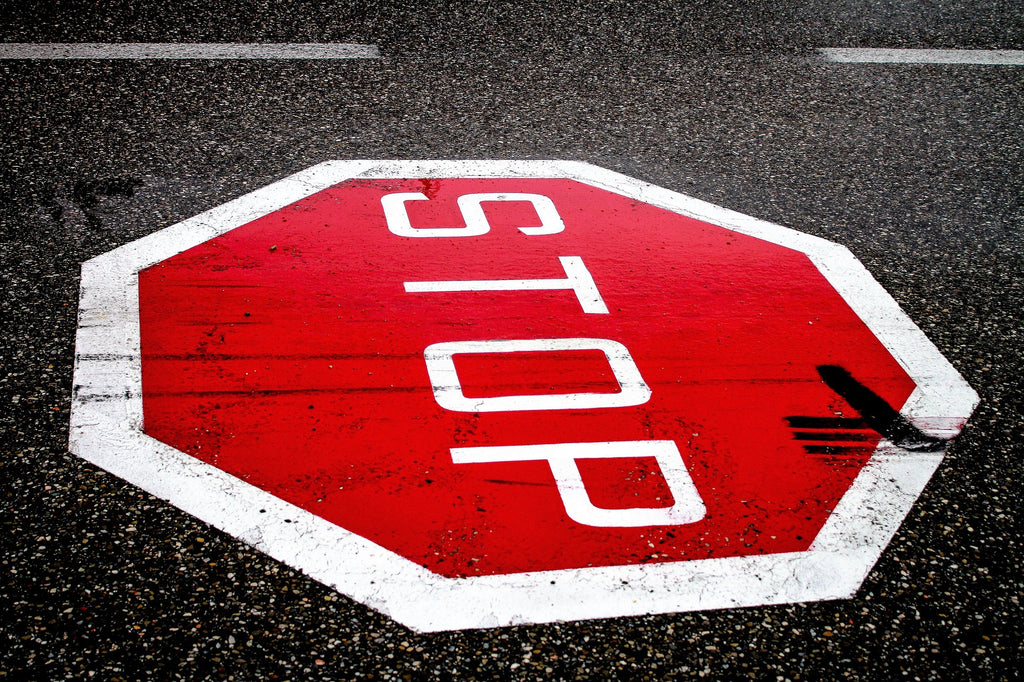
<point x="827" y="423"/>
<point x="54" y="209"/>
<point x="103" y="357"/>
<point x="505" y="482"/>
<point x="833" y="435"/>
<point x="90" y="195"/>
<point x="836" y="450"/>
<point x="197" y="285"/>
<point x="878" y="414"/>
<point x="289" y="357"/>
<point x="270" y="392"/>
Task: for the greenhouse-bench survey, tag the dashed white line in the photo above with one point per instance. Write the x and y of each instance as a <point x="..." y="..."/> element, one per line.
<point x="188" y="51"/>
<point x="857" y="55"/>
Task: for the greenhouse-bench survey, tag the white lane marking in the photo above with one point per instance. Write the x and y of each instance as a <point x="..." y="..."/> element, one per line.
<point x="868" y="55"/>
<point x="188" y="51"/>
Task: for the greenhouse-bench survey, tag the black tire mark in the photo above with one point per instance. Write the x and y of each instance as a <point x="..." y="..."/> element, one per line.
<point x="878" y="414"/>
<point x="90" y="194"/>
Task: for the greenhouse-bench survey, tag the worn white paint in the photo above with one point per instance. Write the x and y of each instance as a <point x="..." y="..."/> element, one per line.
<point x="188" y="51"/>
<point x="106" y="419"/>
<point x="878" y="55"/>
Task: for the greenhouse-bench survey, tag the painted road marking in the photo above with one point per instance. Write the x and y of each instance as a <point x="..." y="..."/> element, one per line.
<point x="869" y="55"/>
<point x="188" y="51"/>
<point x="687" y="506"/>
<point x="461" y="460"/>
<point x="471" y="206"/>
<point x="449" y="393"/>
<point x="577" y="279"/>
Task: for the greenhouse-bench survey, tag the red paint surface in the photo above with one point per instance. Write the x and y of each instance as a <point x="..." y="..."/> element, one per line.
<point x="488" y="375"/>
<point x="287" y="353"/>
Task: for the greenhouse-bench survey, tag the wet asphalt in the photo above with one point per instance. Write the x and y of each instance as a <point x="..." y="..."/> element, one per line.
<point x="917" y="169"/>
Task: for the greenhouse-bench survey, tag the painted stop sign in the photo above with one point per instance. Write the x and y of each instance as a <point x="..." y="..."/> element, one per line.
<point x="472" y="394"/>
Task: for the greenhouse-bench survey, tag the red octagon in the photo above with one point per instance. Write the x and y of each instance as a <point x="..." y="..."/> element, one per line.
<point x="287" y="353"/>
<point x="304" y="352"/>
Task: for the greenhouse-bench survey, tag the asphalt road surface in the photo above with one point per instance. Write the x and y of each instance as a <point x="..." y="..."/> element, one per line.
<point x="916" y="168"/>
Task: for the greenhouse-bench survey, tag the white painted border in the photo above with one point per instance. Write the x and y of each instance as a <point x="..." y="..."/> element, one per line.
<point x="106" y="418"/>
